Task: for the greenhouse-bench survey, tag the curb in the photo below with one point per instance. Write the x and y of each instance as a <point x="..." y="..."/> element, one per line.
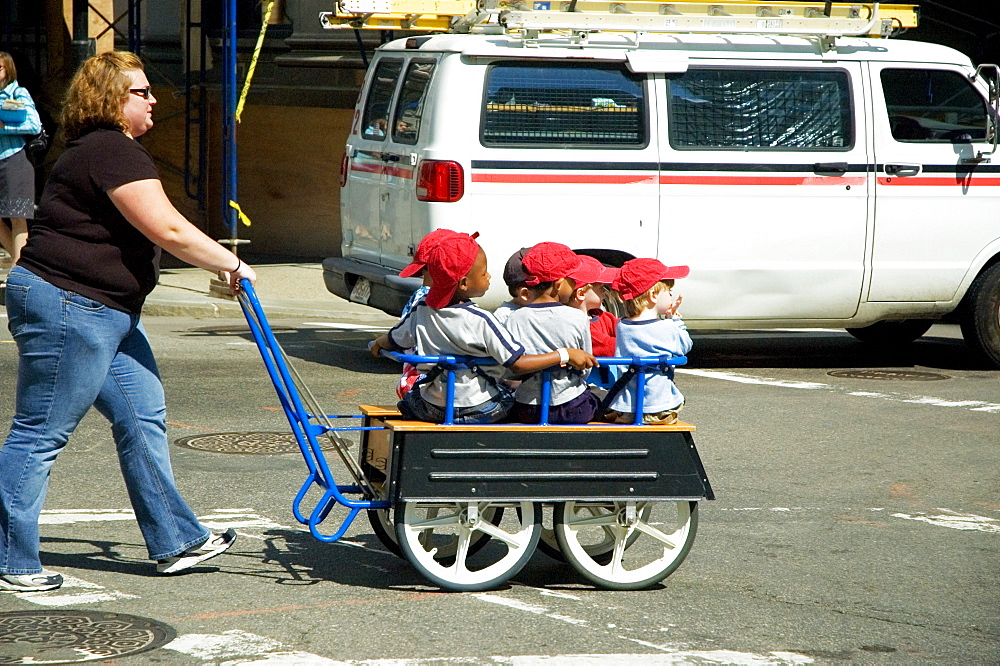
<point x="155" y="307"/>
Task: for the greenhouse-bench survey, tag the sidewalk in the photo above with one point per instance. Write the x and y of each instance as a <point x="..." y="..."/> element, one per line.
<point x="285" y="290"/>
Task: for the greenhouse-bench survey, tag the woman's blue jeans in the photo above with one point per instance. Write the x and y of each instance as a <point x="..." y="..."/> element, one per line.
<point x="74" y="353"/>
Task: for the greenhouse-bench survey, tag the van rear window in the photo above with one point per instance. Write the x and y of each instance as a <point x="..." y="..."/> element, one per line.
<point x="528" y="104"/>
<point x="753" y="109"/>
<point x="375" y="122"/>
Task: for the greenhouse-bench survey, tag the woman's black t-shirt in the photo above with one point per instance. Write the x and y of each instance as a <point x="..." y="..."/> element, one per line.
<point x="79" y="240"/>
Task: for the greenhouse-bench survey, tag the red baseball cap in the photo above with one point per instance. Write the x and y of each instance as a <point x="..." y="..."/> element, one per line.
<point x="448" y="262"/>
<point x="427" y="243"/>
<point x="593" y="271"/>
<point x="638" y="275"/>
<point x="547" y="262"/>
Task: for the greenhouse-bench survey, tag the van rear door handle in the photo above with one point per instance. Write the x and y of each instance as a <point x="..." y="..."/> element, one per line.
<point x="830" y="168"/>
<point x="902" y="170"/>
<point x="389" y="157"/>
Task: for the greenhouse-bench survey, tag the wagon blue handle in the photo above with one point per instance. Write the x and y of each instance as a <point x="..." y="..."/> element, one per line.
<point x="304" y="430"/>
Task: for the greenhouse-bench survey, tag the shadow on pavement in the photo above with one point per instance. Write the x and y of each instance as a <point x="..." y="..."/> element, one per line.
<point x="820" y="349"/>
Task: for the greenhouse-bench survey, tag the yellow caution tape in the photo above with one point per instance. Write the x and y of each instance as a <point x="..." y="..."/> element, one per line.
<point x="239" y="211"/>
<point x="253" y="66"/>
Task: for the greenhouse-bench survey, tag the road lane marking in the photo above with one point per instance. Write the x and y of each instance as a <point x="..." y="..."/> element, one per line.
<point x="71" y="516"/>
<point x="240" y="648"/>
<point x="232" y="644"/>
<point x="529" y="608"/>
<point x="955" y="520"/>
<point x="217" y="519"/>
<point x="750" y="379"/>
<point x="674" y="654"/>
<point x="223" y="519"/>
<point x="70" y="594"/>
<point x="947" y="518"/>
<point x="971" y="405"/>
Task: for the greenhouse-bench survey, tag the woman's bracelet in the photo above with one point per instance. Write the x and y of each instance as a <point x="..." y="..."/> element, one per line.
<point x="239" y="265"/>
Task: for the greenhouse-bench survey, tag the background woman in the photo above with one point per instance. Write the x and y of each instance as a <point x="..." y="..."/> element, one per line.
<point x="17" y="176"/>
<point x="73" y="305"/>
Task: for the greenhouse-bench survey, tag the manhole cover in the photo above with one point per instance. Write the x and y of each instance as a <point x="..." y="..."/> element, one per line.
<point x="908" y="375"/>
<point x="249" y="443"/>
<point x="70" y="636"/>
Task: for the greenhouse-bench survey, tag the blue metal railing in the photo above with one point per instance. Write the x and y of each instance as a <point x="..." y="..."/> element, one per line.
<point x="450" y="364"/>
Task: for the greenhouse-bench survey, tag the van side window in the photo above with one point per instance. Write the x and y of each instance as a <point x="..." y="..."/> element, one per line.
<point x="528" y="104"/>
<point x="410" y="107"/>
<point x="757" y="109"/>
<point x="933" y="106"/>
<point x="375" y="122"/>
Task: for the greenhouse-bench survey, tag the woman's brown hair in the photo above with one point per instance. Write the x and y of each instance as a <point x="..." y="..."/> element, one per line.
<point x="97" y="93"/>
<point x="9" y="71"/>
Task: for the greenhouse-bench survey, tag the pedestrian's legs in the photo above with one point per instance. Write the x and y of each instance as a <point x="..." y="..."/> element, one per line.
<point x="18" y="237"/>
<point x="6" y="238"/>
<point x="132" y="399"/>
<point x="65" y="344"/>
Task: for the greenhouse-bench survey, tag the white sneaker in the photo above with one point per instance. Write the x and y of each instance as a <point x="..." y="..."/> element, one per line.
<point x="216" y="545"/>
<point x="38" y="582"/>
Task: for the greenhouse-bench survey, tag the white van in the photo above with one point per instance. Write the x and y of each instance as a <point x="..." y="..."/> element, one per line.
<point x="808" y="181"/>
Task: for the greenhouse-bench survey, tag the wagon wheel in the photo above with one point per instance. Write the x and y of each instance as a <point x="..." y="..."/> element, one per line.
<point x="425" y="529"/>
<point x="657" y="536"/>
<point x="383" y="526"/>
<point x="600" y="548"/>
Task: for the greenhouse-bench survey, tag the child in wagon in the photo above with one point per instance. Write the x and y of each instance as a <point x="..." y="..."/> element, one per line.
<point x="651" y="327"/>
<point x="447" y="322"/>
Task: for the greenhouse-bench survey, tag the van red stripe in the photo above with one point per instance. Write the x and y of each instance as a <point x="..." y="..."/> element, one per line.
<point x="588" y="178"/>
<point x="367" y="167"/>
<point x="761" y="180"/>
<point x="944" y="181"/>
<point x="398" y="172"/>
<point x="620" y="179"/>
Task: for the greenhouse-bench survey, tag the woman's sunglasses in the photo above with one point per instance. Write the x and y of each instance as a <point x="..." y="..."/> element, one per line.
<point x="142" y="92"/>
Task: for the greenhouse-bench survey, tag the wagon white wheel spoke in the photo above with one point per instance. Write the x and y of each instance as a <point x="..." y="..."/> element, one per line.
<point x="507" y="541"/>
<point x="498" y="533"/>
<point x="648" y="540"/>
<point x="665" y="539"/>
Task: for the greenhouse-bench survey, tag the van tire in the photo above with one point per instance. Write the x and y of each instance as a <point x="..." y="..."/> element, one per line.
<point x="980" y="316"/>
<point x="892" y="332"/>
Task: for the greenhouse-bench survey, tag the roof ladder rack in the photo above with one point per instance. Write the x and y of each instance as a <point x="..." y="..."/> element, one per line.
<point x="824" y="19"/>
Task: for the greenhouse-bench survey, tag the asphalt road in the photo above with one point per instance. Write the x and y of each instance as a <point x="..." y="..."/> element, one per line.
<point x="857" y="519"/>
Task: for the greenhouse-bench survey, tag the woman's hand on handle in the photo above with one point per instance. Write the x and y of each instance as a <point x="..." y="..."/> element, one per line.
<point x="241" y="272"/>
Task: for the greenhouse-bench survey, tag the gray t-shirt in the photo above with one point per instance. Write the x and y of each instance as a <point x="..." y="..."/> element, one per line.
<point x="505" y="310"/>
<point x="651" y="337"/>
<point x="463" y="329"/>
<point x="543" y="328"/>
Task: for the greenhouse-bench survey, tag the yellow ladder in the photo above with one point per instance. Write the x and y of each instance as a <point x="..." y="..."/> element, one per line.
<point x="824" y="19"/>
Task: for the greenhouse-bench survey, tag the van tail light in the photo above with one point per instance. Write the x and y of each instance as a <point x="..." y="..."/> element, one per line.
<point x="440" y="180"/>
<point x="344" y="161"/>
